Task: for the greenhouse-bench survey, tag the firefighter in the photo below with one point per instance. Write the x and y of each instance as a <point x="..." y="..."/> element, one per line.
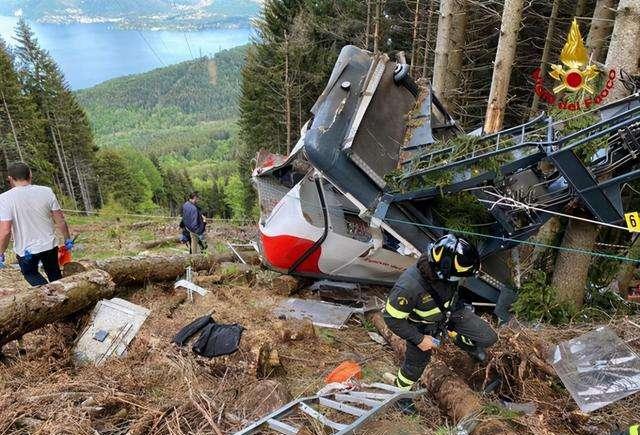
<point x="424" y="302"/>
<point x="634" y="429"/>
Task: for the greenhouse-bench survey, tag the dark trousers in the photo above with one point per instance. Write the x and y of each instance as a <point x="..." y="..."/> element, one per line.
<point x="473" y="331"/>
<point x="29" y="267"/>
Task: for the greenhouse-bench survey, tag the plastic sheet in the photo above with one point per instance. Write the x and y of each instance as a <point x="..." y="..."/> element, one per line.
<point x="597" y="368"/>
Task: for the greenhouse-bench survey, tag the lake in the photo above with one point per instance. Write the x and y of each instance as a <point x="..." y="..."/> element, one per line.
<point x="92" y="53"/>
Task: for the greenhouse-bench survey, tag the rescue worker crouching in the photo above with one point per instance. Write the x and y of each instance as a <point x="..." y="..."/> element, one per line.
<point x="424" y="301"/>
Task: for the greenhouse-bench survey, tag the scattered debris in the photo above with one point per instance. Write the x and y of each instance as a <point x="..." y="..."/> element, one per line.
<point x="214" y="340"/>
<point x="188" y="331"/>
<point x="346" y="371"/>
<point x="112" y="326"/>
<point x="326" y="284"/>
<point x="188" y="285"/>
<point x="233" y="247"/>
<point x="356" y="405"/>
<point x="324" y="314"/>
<point x="597" y="368"/>
<point x="377" y="338"/>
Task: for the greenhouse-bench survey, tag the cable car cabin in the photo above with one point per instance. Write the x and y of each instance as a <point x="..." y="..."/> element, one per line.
<point x="360" y="196"/>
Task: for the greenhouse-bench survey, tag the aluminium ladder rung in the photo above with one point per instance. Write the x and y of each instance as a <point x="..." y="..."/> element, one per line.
<point x="321" y="418"/>
<point x="387" y="387"/>
<point x="282" y="427"/>
<point x="368" y="395"/>
<point x="343" y="407"/>
<point x="353" y="399"/>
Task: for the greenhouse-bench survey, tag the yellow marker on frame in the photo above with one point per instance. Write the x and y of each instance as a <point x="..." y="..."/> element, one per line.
<point x="633" y="221"/>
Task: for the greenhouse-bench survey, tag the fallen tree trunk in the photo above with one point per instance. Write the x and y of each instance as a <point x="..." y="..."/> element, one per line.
<point x="142" y="224"/>
<point x="156" y="268"/>
<point x="165" y="241"/>
<point x="32" y="309"/>
<point x="452" y="393"/>
<point x="25" y="311"/>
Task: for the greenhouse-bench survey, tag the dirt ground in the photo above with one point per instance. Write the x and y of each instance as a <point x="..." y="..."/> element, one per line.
<point x="158" y="388"/>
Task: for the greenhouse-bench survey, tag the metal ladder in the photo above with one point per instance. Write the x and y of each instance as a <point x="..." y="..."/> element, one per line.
<point x="371" y="403"/>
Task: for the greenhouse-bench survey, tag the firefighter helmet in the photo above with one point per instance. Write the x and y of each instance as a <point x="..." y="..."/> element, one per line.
<point x="452" y="258"/>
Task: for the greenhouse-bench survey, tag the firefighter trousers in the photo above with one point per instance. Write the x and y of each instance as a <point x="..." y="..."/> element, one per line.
<point x="472" y="331"/>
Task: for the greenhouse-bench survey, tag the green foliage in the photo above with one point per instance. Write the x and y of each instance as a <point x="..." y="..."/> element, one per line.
<point x="185" y="94"/>
<point x="175" y="127"/>
<point x="497" y="411"/>
<point x="42" y="123"/>
<point x="573" y="121"/>
<point x="121" y="183"/>
<point x="234" y="195"/>
<point x="537" y="302"/>
<point x="462" y="212"/>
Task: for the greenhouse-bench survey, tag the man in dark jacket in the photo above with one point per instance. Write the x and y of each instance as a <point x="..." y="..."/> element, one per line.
<point x="194" y="224"/>
<point x="424" y="301"/>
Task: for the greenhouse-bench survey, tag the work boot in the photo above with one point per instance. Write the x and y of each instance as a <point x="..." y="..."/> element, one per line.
<point x="476" y="352"/>
<point x="406" y="406"/>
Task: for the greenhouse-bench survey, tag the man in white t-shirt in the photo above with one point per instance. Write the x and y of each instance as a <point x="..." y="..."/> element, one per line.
<point x="30" y="213"/>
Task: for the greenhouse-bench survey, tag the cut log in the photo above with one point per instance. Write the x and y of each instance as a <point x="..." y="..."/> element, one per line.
<point x="155" y="268"/>
<point x="142" y="224"/>
<point x="165" y="241"/>
<point x="31" y="309"/>
<point x="294" y="330"/>
<point x="452" y="394"/>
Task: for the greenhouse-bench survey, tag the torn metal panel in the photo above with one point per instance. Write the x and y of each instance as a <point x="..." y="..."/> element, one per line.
<point x="597" y="368"/>
<point x="324" y="314"/>
<point x="112" y="326"/>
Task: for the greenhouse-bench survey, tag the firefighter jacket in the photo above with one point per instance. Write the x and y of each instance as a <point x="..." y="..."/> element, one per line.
<point x="416" y="304"/>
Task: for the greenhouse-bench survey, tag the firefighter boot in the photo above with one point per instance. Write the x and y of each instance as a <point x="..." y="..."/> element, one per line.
<point x="406" y="406"/>
<point x="467" y="345"/>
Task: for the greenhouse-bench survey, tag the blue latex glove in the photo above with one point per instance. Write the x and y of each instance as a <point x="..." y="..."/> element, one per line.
<point x="69" y="244"/>
<point x="2" y="260"/>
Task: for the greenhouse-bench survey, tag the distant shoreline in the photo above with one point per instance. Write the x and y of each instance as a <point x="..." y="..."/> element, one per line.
<point x="153" y="23"/>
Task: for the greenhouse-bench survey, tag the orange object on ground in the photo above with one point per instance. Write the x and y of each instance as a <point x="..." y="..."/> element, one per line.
<point x="64" y="256"/>
<point x="345" y="371"/>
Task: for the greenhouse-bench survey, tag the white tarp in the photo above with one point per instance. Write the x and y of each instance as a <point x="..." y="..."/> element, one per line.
<point x="597" y="368"/>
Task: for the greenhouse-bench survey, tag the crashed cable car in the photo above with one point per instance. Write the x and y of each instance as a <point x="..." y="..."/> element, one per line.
<point x="328" y="209"/>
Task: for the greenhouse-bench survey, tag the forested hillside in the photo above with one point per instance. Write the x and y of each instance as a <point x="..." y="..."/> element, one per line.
<point x="169" y="131"/>
<point x="127" y="110"/>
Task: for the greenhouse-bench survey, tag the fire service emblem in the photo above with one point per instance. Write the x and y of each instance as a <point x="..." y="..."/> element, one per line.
<point x="574" y="74"/>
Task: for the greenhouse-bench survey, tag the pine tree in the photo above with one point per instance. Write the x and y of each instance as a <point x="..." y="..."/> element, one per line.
<point x="69" y="139"/>
<point x="20" y="123"/>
